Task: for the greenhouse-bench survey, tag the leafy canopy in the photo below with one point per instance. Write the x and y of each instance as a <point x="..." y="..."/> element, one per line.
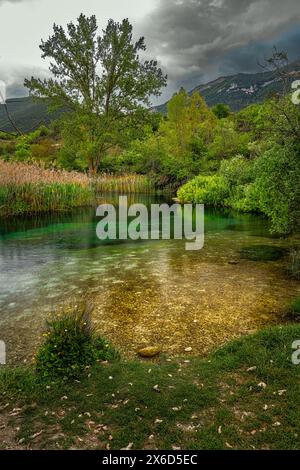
<point x="100" y="78"/>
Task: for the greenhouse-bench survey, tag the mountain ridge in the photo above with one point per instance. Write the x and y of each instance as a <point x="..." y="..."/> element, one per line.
<point x="237" y="91"/>
<point x="242" y="89"/>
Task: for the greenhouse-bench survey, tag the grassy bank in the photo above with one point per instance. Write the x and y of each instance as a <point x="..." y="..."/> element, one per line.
<point x="28" y="188"/>
<point x="244" y="396"/>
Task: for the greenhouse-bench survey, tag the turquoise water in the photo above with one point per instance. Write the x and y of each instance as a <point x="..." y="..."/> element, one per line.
<point x="141" y="290"/>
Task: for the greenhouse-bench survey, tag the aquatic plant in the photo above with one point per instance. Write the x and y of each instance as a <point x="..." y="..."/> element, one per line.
<point x="262" y="253"/>
<point x="127" y="183"/>
<point x="32" y="189"/>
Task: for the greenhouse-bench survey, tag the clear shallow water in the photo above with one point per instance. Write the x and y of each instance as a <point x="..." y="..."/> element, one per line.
<point x="145" y="292"/>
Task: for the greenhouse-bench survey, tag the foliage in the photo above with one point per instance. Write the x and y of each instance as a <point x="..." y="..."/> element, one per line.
<point x="71" y="344"/>
<point x="210" y="190"/>
<point x="103" y="106"/>
<point x="265" y="176"/>
<point x="221" y="110"/>
<point x="176" y="151"/>
<point x="277" y="186"/>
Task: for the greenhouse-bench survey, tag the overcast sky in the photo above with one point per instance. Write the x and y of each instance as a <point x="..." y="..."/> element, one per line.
<point x="193" y="40"/>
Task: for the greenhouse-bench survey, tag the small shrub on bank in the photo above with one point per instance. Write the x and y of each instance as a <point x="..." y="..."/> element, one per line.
<point x="71" y="345"/>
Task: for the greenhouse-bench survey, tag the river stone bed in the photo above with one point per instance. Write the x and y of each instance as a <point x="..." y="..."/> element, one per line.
<point x="145" y="294"/>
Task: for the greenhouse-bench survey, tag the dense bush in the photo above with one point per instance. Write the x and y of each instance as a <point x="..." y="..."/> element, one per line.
<point x="71" y="345"/>
<point x="210" y="190"/>
<point x="277" y="185"/>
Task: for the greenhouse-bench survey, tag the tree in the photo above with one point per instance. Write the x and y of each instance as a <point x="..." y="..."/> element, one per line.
<point x="221" y="110"/>
<point x="100" y="80"/>
<point x="188" y="118"/>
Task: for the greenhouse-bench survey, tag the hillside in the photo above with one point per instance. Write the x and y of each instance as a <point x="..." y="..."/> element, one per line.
<point x="26" y="113"/>
<point x="241" y="90"/>
<point x="237" y="91"/>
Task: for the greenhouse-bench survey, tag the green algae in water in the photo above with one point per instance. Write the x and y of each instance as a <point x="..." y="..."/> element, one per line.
<point x="263" y="253"/>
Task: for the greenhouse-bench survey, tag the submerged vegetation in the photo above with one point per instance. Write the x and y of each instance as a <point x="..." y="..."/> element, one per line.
<point x="263" y="253"/>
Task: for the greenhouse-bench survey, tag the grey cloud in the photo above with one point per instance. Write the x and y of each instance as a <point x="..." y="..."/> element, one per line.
<point x="12" y="1"/>
<point x="13" y="77"/>
<point x="201" y="38"/>
<point x="2" y="2"/>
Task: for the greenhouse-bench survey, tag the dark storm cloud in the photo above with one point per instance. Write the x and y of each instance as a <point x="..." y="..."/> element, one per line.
<point x="203" y="38"/>
<point x="248" y="58"/>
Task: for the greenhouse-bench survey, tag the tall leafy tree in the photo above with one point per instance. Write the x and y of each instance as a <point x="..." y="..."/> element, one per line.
<point x="101" y="80"/>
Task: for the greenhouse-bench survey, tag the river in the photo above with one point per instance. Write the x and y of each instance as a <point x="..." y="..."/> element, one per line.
<point x="145" y="292"/>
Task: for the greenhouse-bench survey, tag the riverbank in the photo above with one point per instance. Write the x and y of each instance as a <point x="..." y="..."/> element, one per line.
<point x="244" y="396"/>
<point x="31" y="189"/>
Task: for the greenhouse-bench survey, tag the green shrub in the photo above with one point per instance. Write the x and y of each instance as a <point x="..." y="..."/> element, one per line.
<point x="210" y="190"/>
<point x="71" y="344"/>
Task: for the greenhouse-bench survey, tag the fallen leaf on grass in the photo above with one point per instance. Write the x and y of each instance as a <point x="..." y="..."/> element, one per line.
<point x="129" y="447"/>
<point x="37" y="434"/>
<point x="262" y="385"/>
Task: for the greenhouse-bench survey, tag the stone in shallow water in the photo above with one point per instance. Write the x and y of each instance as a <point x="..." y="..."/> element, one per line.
<point x="150" y="351"/>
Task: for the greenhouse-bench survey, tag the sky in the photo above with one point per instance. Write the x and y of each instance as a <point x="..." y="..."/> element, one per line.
<point x="194" y="41"/>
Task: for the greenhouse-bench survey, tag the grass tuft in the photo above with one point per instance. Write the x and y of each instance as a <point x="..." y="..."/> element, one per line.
<point x="71" y="344"/>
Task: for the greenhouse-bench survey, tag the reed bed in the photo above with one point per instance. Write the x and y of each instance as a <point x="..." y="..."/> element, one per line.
<point x="31" y="189"/>
<point x="127" y="183"/>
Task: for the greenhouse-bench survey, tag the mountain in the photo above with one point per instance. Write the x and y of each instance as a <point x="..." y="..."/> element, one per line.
<point x="237" y="91"/>
<point x="27" y="114"/>
<point x="243" y="89"/>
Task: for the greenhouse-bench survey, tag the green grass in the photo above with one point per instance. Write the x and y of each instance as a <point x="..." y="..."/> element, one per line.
<point x="246" y="395"/>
